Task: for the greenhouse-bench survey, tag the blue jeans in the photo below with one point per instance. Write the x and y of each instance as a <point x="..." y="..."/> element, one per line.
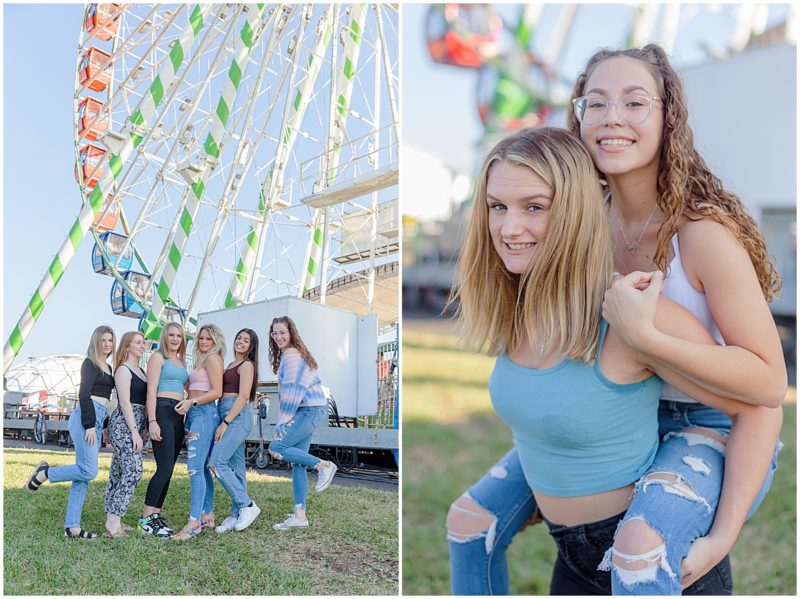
<point x="201" y="423"/>
<point x="294" y="447"/>
<point x="227" y="457"/>
<point x="677" y="514"/>
<point x="581" y="547"/>
<point x="479" y="567"/>
<point x="84" y="469"/>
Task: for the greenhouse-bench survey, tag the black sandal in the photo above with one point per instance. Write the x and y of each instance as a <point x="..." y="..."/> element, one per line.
<point x="33" y="482"/>
<point x="83" y="534"/>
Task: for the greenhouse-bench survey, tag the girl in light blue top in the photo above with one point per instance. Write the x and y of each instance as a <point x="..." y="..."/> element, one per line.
<point x="581" y="403"/>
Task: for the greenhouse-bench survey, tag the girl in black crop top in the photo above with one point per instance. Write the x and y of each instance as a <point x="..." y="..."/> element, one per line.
<point x="94" y="395"/>
<point x="124" y="429"/>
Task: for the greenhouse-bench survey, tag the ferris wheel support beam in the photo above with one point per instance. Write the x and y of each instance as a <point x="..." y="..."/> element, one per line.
<point x="249" y="264"/>
<point x="373" y="234"/>
<point x="150" y="325"/>
<point x="323" y="288"/>
<point x="97" y="198"/>
<point x="149" y="203"/>
<point x="387" y="69"/>
<point x="344" y="83"/>
<point x="169" y="97"/>
<point x="242" y="165"/>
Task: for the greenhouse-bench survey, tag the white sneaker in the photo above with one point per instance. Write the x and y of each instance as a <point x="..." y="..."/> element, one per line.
<point x="325" y="477"/>
<point x="247" y="515"/>
<point x="291" y="522"/>
<point x="227" y="524"/>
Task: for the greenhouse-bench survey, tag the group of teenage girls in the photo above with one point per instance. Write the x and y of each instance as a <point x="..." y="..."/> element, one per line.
<point x="645" y="412"/>
<point x="211" y="408"/>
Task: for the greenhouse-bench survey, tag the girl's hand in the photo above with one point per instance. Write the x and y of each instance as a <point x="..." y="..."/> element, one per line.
<point x="629" y="305"/>
<point x="155" y="431"/>
<point x="183" y="406"/>
<point x="137" y="442"/>
<point x="704" y="554"/>
<point x="220" y="431"/>
<point x="91" y="436"/>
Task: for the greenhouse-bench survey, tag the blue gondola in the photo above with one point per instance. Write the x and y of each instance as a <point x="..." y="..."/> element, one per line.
<point x="113" y="243"/>
<point x="122" y="304"/>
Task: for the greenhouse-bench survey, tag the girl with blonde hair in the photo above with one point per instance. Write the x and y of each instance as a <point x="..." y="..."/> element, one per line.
<point x="124" y="428"/>
<point x="200" y="409"/>
<point x="85" y="421"/>
<point x="167" y="379"/>
<point x="667" y="211"/>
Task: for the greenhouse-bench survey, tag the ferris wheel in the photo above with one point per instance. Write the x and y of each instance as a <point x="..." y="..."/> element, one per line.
<point x="231" y="153"/>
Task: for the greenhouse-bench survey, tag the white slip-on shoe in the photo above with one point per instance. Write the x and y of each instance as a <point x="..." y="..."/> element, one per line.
<point x="227" y="524"/>
<point x="247" y="515"/>
<point x="291" y="522"/>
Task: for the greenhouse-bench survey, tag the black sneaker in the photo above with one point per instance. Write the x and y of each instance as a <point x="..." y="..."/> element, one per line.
<point x="154" y="525"/>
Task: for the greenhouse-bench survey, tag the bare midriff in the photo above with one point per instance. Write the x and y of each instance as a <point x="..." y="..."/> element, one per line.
<point x="572" y="511"/>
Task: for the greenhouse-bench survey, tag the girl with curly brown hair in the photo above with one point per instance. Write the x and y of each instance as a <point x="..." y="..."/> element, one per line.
<point x="667" y="211"/>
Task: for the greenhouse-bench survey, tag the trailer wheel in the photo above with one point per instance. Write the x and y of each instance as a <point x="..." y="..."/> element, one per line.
<point x="262" y="459"/>
<point x="40" y="430"/>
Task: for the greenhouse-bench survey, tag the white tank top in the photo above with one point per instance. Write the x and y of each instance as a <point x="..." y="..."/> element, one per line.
<point x="678" y="289"/>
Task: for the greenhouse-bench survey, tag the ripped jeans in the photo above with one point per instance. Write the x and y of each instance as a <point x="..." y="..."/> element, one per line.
<point x="504" y="502"/>
<point x="201" y="423"/>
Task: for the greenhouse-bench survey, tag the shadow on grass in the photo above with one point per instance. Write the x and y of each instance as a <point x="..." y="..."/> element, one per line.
<point x="350" y="546"/>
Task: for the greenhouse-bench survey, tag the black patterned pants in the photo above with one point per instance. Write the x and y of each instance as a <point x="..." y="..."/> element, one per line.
<point x="126" y="465"/>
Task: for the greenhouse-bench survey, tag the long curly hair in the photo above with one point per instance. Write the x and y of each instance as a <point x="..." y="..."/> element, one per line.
<point x="686" y="186"/>
<point x="295" y="342"/>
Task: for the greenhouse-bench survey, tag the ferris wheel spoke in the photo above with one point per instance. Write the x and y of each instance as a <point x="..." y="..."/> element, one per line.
<point x="343" y="87"/>
<point x="294" y="111"/>
<point x="153" y="157"/>
<point x="213" y="145"/>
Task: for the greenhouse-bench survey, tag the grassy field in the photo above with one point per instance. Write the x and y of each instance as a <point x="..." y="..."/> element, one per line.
<point x="351" y="546"/>
<point x="451" y="437"/>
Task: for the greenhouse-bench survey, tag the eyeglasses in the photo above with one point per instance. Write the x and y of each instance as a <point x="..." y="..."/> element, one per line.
<point x="632" y="109"/>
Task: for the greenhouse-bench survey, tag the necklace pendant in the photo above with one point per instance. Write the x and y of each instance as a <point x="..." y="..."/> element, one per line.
<point x="632" y="246"/>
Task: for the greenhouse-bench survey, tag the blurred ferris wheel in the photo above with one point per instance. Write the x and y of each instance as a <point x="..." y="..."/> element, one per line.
<point x="520" y="58"/>
<point x="230" y="153"/>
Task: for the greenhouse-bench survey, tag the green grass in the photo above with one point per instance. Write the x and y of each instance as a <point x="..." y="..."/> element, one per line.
<point x="451" y="437"/>
<point x="351" y="546"/>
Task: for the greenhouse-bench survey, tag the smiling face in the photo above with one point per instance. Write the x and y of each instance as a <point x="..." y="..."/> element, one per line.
<point x="205" y="341"/>
<point x="174" y="338"/>
<point x="242" y="343"/>
<point x="617" y="147"/>
<point x="280" y="334"/>
<point x="519" y="204"/>
<point x="136" y="347"/>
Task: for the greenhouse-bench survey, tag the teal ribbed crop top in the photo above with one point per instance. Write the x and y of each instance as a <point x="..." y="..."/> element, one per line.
<point x="173" y="378"/>
<point x="577" y="432"/>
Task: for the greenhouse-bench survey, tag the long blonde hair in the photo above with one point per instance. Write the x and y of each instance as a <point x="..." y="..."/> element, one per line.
<point x="162" y="342"/>
<point x="95" y="350"/>
<point x="558" y="299"/>
<point x="200" y="357"/>
<point x="124" y="344"/>
<point x="686" y="186"/>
